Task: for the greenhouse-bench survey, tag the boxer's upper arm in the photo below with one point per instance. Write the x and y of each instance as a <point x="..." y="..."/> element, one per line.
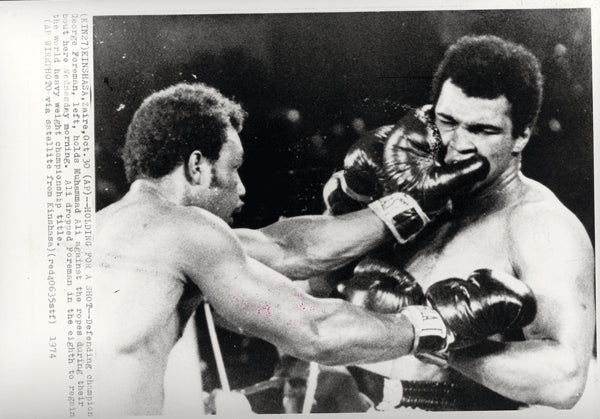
<point x="551" y="252"/>
<point x="250" y="295"/>
<point x="268" y="305"/>
<point x="548" y="250"/>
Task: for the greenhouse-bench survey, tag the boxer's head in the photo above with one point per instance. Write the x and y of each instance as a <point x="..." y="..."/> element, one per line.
<point x="487" y="94"/>
<point x="195" y="127"/>
<point x="489" y="67"/>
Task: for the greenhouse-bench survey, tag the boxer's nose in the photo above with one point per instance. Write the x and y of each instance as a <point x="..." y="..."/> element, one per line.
<point x="459" y="144"/>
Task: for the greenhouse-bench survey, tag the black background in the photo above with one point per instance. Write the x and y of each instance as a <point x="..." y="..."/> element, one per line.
<point x="333" y="68"/>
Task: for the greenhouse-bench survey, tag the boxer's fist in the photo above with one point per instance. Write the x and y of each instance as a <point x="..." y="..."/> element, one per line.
<point x="486" y="303"/>
<point x="362" y="178"/>
<point x="380" y="286"/>
<point x="412" y="162"/>
<point x="417" y="185"/>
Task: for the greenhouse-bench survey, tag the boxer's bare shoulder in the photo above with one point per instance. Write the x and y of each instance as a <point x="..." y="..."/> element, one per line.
<point x="541" y="223"/>
<point x="152" y="254"/>
<point x="530" y="221"/>
<point x="160" y="230"/>
<point x="145" y="250"/>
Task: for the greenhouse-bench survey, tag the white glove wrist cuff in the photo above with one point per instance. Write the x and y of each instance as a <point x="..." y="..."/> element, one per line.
<point x="400" y="204"/>
<point x="431" y="333"/>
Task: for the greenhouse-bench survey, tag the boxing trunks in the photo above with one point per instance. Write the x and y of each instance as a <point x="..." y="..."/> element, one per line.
<point x="393" y="394"/>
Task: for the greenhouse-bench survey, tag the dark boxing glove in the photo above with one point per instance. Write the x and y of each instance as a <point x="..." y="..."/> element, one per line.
<point x="379" y="286"/>
<point x="486" y="303"/>
<point x="461" y="312"/>
<point x="417" y="185"/>
<point x="362" y="179"/>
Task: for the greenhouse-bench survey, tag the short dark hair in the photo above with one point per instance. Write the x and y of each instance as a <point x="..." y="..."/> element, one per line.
<point x="487" y="66"/>
<point x="171" y="123"/>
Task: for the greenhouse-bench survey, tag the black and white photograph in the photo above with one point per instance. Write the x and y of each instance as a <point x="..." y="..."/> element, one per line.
<point x="297" y="131"/>
<point x="302" y="210"/>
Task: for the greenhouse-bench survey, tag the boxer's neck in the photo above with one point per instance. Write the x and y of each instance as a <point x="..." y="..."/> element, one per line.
<point x="164" y="189"/>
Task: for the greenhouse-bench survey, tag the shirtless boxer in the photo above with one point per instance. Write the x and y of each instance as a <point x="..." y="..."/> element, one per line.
<point x="166" y="244"/>
<point x="487" y="94"/>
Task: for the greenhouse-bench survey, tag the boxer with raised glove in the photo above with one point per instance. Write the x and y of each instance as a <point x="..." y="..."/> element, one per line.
<point x="417" y="185"/>
<point x="402" y="162"/>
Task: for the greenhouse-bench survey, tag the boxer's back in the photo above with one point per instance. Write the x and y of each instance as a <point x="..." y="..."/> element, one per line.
<point x="142" y="301"/>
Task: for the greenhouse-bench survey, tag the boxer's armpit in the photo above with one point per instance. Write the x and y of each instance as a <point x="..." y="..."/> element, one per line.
<point x="260" y="246"/>
<point x="224" y="323"/>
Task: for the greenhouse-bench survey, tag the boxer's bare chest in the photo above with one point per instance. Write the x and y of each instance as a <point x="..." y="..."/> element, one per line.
<point x="459" y="246"/>
<point x="454" y="248"/>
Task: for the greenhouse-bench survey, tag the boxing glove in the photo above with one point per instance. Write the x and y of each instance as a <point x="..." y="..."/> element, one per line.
<point x="380" y="286"/>
<point x="461" y="313"/>
<point x="417" y="185"/>
<point x="361" y="179"/>
<point x="486" y="303"/>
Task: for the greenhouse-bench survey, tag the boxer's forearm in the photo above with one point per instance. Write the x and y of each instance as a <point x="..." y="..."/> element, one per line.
<point x="352" y="336"/>
<point x="267" y="305"/>
<point x="537" y="372"/>
<point x="305" y="246"/>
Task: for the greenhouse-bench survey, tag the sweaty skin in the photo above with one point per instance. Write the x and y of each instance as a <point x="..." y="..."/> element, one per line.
<point x="159" y="252"/>
<point x="516" y="225"/>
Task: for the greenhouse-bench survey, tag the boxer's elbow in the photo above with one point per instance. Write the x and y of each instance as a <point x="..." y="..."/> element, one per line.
<point x="561" y="389"/>
<point x="322" y="352"/>
<point x="319" y="345"/>
<point x="566" y="390"/>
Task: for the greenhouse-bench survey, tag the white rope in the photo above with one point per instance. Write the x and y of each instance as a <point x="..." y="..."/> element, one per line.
<point x="311" y="387"/>
<point x="216" y="348"/>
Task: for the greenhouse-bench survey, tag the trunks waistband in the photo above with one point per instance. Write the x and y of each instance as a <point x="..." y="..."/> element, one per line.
<point x="441" y="396"/>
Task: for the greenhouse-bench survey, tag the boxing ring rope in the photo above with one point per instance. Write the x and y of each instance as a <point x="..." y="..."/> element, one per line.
<point x="311" y="387"/>
<point x="311" y="382"/>
<point x="216" y="348"/>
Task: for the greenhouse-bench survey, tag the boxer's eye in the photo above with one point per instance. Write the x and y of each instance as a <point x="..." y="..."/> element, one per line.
<point x="485" y="129"/>
<point x="445" y="121"/>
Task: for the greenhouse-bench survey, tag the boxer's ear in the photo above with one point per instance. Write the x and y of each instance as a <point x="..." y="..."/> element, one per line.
<point x="197" y="169"/>
<point x="521" y="141"/>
